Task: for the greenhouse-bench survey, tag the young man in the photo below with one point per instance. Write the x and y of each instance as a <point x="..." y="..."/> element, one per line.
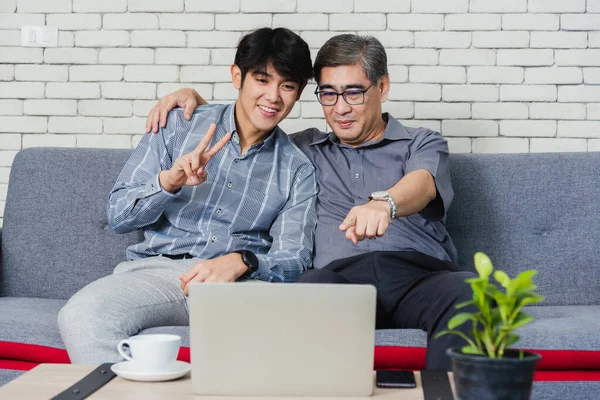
<point x="243" y="209"/>
<point x="382" y="181"/>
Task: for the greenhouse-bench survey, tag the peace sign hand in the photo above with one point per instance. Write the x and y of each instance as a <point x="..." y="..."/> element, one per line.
<point x="189" y="169"/>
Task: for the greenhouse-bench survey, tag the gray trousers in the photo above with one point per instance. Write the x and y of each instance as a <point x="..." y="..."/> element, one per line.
<point x="140" y="294"/>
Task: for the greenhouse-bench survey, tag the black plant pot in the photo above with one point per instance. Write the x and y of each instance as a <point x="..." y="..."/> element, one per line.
<point x="479" y="377"/>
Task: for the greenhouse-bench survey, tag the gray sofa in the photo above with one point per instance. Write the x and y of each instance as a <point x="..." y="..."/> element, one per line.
<point x="525" y="211"/>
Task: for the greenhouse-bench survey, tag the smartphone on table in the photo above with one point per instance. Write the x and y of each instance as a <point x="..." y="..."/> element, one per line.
<point x="393" y="378"/>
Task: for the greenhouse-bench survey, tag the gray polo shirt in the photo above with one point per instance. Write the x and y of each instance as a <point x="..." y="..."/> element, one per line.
<point x="348" y="175"/>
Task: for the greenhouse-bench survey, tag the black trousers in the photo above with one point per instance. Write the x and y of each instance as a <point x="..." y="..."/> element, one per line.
<point x="414" y="291"/>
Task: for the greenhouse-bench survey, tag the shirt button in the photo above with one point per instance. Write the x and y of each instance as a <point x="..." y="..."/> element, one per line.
<point x="229" y="185"/>
<point x="219" y="211"/>
<point x="236" y="160"/>
<point x="357" y="176"/>
<point x="214" y="238"/>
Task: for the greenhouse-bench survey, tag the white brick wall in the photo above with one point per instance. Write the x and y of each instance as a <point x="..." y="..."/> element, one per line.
<point x="492" y="76"/>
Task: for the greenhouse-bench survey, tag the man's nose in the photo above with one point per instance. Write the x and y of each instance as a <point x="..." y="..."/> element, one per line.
<point x="341" y="107"/>
<point x="272" y="93"/>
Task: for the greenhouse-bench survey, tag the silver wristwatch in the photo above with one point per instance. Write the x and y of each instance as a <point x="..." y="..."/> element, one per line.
<point x="385" y="196"/>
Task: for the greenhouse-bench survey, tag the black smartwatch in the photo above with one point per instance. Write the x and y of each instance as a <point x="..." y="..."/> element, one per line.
<point x="251" y="261"/>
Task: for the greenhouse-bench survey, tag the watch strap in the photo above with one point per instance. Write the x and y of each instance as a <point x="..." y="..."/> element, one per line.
<point x="436" y="385"/>
<point x="88" y="384"/>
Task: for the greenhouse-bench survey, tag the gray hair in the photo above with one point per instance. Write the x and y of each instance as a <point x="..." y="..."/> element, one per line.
<point x="348" y="49"/>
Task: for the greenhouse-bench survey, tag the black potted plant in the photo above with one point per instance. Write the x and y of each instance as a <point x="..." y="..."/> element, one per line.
<point x="486" y="368"/>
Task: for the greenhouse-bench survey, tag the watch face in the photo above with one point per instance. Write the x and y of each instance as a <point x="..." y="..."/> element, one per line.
<point x="250" y="260"/>
<point x="379" y="194"/>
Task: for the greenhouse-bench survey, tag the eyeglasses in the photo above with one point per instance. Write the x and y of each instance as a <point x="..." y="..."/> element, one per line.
<point x="354" y="97"/>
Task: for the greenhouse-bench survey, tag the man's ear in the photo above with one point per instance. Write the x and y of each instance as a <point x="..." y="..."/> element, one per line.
<point x="384" y="87"/>
<point x="300" y="90"/>
<point x="236" y="76"/>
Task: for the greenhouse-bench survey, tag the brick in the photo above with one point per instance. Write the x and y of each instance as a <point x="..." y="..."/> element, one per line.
<point x="75" y="22"/>
<point x="16" y="21"/>
<point x="589" y="58"/>
<point x="392" y="39"/>
<point x="43" y="6"/>
<point x="71" y="56"/>
<point x="579" y="93"/>
<point x="141" y="108"/>
<point x="591" y="76"/>
<point x="95" y="73"/>
<point x="86" y="6"/>
<point x="528" y="93"/>
<point x="556" y="6"/>
<point x="66" y="39"/>
<point x="384" y="6"/>
<point x="158" y="39"/>
<point x="593" y="111"/>
<point x="104" y="141"/>
<point x="553" y="75"/>
<point x="415" y="22"/>
<point x="467" y="57"/>
<point x="187" y="22"/>
<point x="252" y="6"/>
<point x="45" y="73"/>
<point x="213" y="39"/>
<point x="21" y="90"/>
<point x="329" y="6"/>
<point x="205" y="90"/>
<point x="21" y="55"/>
<point x="437" y="74"/>
<point x="557" y="145"/>
<point x="50" y="107"/>
<point x="316" y="39"/>
<point x="151" y="73"/>
<point x="530" y="22"/>
<point x="7" y="72"/>
<point x="425" y="123"/>
<point x="399" y="110"/>
<point x="295" y="22"/>
<point x="558" y="40"/>
<point x="4" y="173"/>
<point x="10" y="38"/>
<point x="73" y="90"/>
<point x="473" y="22"/>
<point x="581" y="129"/>
<point x="594" y="39"/>
<point x="74" y="125"/>
<point x="500" y="111"/>
<point x="412" y="57"/>
<point x="467" y="93"/>
<point x="449" y="40"/>
<point x="442" y="110"/>
<point x="311" y="109"/>
<point x="225" y="91"/>
<point x="48" y="140"/>
<point x="528" y="128"/>
<point x="349" y="22"/>
<point x="525" y="57"/>
<point x="105" y="108"/>
<point x="469" y="128"/>
<point x="102" y="39"/>
<point x="205" y="74"/>
<point x="593" y="6"/>
<point x="415" y="92"/>
<point x="135" y="140"/>
<point x="212" y="5"/>
<point x="124" y="125"/>
<point x="155" y="6"/>
<point x="126" y="56"/>
<point x="459" y="145"/>
<point x="6" y="158"/>
<point x="500" y="145"/>
<point x="498" y="40"/>
<point x="183" y="56"/>
<point x="494" y="6"/>
<point x="8" y="6"/>
<point x="129" y="21"/>
<point x="495" y="75"/>
<point x="557" y="111"/>
<point x="580" y="22"/>
<point x="440" y="6"/>
<point x="292" y="125"/>
<point x="220" y="56"/>
<point x="122" y="90"/>
<point x="23" y="124"/>
<point x="398" y="73"/>
<point x="245" y="22"/>
<point x="10" y="141"/>
<point x="11" y="107"/>
<point x="593" y="145"/>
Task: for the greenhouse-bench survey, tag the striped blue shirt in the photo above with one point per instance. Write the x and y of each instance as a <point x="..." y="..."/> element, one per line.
<point x="263" y="201"/>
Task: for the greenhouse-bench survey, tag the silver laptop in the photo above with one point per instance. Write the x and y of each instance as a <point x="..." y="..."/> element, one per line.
<point x="282" y="339"/>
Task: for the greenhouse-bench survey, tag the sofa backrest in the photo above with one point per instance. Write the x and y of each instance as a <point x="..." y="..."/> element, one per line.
<point x="55" y="237"/>
<point x="532" y="211"/>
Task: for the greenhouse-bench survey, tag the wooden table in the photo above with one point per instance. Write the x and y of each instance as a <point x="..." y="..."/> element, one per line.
<point x="47" y="380"/>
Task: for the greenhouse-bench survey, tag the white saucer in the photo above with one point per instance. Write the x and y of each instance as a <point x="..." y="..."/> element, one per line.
<point x="128" y="370"/>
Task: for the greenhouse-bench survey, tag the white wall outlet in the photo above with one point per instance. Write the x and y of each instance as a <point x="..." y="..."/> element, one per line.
<point x="39" y="36"/>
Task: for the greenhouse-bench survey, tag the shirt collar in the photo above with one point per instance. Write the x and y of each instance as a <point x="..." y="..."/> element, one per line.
<point x="229" y="122"/>
<point x="393" y="131"/>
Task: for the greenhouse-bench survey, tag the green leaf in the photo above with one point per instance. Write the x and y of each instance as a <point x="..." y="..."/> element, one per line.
<point x="502" y="278"/>
<point x="459" y="319"/>
<point x="512" y="339"/>
<point x="472" y="350"/>
<point x="521" y="319"/>
<point x="464" y="304"/>
<point x="483" y="265"/>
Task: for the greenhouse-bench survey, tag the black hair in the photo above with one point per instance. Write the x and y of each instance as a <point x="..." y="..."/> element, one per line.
<point x="287" y="52"/>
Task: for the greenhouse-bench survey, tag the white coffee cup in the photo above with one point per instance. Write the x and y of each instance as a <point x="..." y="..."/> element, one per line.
<point x="155" y="352"/>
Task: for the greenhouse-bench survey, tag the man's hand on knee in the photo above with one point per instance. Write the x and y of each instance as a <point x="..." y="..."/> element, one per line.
<point x="226" y="268"/>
